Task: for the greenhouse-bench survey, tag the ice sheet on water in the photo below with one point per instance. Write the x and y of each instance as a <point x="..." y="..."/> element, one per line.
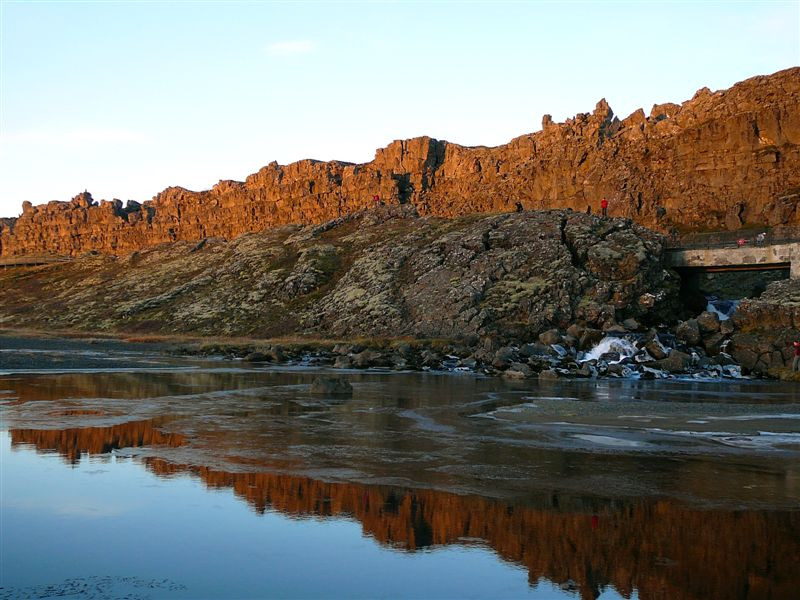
<point x="764" y="439"/>
<point x="755" y="417"/>
<point x="760" y="440"/>
<point x="607" y="440"/>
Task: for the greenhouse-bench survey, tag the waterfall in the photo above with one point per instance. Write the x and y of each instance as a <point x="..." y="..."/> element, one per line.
<point x="723" y="308"/>
<point x="611" y="344"/>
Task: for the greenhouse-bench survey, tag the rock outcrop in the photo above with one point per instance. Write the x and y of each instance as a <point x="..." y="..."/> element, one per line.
<point x="720" y="160"/>
<point x="384" y="272"/>
<point x="765" y="328"/>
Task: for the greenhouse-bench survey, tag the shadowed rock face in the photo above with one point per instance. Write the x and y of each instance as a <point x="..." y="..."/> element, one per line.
<point x="383" y="272"/>
<point x="719" y="160"/>
<point x="658" y="548"/>
<point x="766" y="327"/>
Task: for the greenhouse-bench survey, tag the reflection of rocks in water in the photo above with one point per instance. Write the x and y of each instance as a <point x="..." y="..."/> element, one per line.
<point x="77" y="412"/>
<point x="73" y="443"/>
<point x="122" y="385"/>
<point x="661" y="549"/>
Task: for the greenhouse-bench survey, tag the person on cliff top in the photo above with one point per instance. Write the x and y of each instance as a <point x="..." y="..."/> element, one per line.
<point x="376" y="199"/>
<point x="518" y="207"/>
<point x="604" y="207"/>
<point x="796" y="360"/>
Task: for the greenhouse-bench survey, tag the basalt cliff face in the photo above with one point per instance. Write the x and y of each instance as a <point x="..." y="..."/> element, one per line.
<point x="720" y="160"/>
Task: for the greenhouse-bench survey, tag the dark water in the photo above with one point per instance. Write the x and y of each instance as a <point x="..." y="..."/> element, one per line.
<point x="128" y="474"/>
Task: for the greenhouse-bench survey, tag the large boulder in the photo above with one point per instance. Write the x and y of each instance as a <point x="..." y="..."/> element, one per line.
<point x="676" y="362"/>
<point x="518" y="371"/>
<point x="708" y="322"/>
<point x="331" y="386"/>
<point x="550" y="337"/>
<point x="656" y="349"/>
<point x="688" y="332"/>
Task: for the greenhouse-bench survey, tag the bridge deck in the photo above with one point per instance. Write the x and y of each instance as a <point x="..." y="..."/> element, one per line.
<point x="772" y="256"/>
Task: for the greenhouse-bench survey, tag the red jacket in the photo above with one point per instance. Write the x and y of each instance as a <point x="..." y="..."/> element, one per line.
<point x="604" y="203"/>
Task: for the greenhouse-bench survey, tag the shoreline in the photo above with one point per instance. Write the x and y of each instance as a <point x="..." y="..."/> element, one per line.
<point x="532" y="361"/>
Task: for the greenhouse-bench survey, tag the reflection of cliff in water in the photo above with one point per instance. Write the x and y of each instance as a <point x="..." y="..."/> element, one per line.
<point x="126" y="385"/>
<point x="73" y="443"/>
<point x="660" y="548"/>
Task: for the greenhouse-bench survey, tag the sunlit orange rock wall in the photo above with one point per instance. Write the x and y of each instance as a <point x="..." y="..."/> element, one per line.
<point x="720" y="160"/>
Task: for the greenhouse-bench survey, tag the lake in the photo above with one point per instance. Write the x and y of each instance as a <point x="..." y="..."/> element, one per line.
<point x="127" y="473"/>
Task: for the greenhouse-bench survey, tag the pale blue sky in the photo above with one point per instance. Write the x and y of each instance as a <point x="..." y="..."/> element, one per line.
<point x="126" y="98"/>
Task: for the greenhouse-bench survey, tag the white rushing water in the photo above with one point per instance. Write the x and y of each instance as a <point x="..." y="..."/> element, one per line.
<point x="625" y="348"/>
<point x="723" y="308"/>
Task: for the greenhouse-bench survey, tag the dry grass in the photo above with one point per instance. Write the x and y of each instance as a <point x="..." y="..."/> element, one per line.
<point x="230" y="342"/>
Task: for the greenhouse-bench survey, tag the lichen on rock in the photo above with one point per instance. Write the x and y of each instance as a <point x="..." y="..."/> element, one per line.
<point x="507" y="276"/>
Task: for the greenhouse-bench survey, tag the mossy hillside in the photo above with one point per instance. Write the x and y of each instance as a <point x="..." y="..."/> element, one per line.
<point x="386" y="273"/>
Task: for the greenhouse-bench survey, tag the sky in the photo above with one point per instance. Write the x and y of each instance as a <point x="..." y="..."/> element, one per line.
<point x="126" y="98"/>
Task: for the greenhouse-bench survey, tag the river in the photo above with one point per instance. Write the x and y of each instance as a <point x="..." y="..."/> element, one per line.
<point x="129" y="473"/>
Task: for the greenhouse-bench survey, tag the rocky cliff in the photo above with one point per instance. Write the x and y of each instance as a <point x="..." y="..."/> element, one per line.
<point x="720" y="160"/>
<point x="384" y="272"/>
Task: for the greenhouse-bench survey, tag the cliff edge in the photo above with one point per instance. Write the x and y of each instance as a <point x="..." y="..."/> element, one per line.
<point x="721" y="160"/>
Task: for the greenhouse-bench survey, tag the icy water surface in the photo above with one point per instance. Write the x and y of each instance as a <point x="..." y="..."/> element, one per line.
<point x="129" y="474"/>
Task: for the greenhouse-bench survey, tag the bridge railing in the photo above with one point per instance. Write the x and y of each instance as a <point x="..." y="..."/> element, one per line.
<point x="732" y="239"/>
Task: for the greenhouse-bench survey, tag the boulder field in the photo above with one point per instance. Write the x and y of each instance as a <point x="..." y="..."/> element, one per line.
<point x="523" y="294"/>
<point x="721" y="160"/>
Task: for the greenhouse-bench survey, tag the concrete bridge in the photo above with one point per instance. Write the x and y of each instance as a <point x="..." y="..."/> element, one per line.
<point x="779" y="255"/>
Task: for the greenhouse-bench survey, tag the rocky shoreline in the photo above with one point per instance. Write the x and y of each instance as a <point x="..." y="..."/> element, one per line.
<point x="578" y="353"/>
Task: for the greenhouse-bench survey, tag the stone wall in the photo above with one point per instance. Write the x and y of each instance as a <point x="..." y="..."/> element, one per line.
<point x="720" y="160"/>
